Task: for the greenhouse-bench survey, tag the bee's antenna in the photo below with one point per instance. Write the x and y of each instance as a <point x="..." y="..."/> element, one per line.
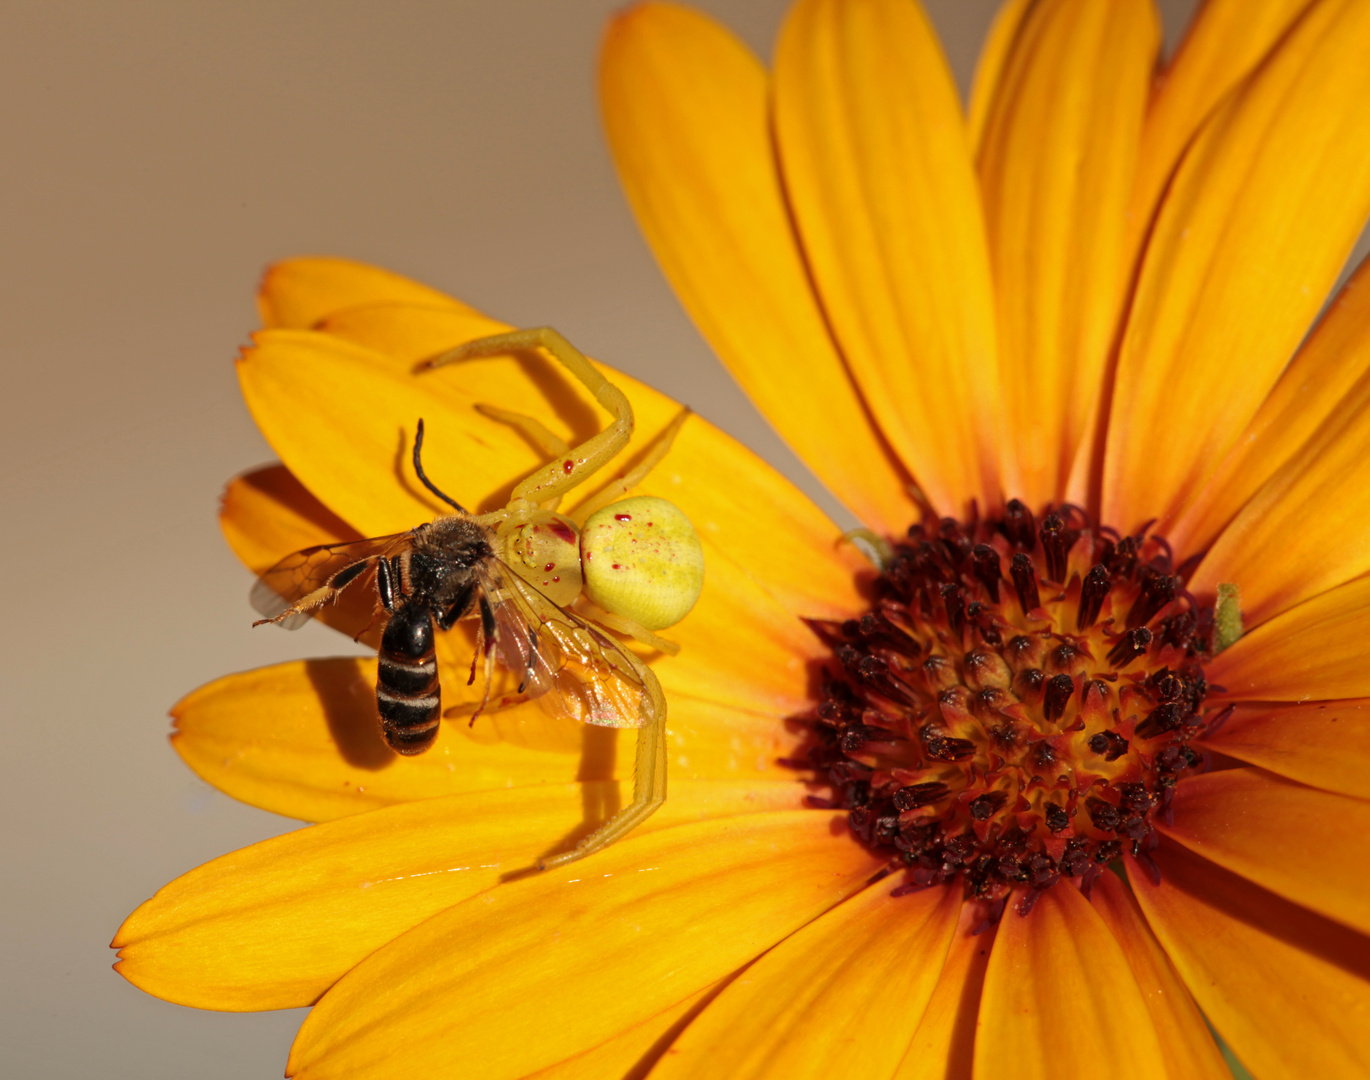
<point x="418" y="468"/>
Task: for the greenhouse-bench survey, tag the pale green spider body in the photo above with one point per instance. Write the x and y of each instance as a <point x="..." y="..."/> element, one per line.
<point x="632" y="565"/>
<point x="642" y="561"/>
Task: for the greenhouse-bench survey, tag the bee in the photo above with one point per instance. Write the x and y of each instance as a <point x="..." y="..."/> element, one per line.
<point x="635" y="565"/>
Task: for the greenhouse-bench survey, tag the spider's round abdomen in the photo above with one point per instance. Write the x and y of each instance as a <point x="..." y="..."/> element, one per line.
<point x="642" y="559"/>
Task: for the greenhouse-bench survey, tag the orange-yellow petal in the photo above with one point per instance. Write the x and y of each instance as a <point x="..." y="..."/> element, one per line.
<point x="1223" y="44"/>
<point x="990" y="66"/>
<point x="318" y="754"/>
<point x="740" y="650"/>
<point x="943" y="1047"/>
<point x="1325" y="382"/>
<point x="1056" y="165"/>
<point x="1262" y="213"/>
<point x="1060" y="999"/>
<point x="630" y="1053"/>
<point x="1285" y="988"/>
<point x="531" y="972"/>
<point x="687" y="116"/>
<point x="275" y="925"/>
<point x="1290" y="838"/>
<point x="299" y="292"/>
<point x="840" y="997"/>
<point x="1189" y="1048"/>
<point x="1304" y="531"/>
<point x="1324" y="743"/>
<point x="875" y="160"/>
<point x="1314" y="652"/>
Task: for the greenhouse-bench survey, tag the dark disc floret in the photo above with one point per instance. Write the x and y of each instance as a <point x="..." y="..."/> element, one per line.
<point x="1018" y="704"/>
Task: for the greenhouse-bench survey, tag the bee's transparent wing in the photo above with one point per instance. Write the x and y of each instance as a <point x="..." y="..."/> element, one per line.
<point x="571" y="666"/>
<point x="288" y="592"/>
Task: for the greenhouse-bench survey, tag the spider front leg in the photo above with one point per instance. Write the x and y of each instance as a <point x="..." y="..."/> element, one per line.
<point x="649" y="782"/>
<point x="555" y="479"/>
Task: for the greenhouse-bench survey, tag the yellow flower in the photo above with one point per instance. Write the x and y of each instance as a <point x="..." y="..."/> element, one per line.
<point x="1091" y="296"/>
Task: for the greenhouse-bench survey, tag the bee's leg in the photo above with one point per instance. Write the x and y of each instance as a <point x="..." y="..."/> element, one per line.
<point x="557" y="478"/>
<point x="387" y="591"/>
<point x="616" y="489"/>
<point x="448" y="618"/>
<point x="485" y="650"/>
<point x="649" y="785"/>
<point x="387" y="584"/>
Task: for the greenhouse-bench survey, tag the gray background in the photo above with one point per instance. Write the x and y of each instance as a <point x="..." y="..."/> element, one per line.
<point x="153" y="157"/>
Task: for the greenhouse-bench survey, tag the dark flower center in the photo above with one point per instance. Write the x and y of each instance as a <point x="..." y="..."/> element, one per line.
<point x="1018" y="704"/>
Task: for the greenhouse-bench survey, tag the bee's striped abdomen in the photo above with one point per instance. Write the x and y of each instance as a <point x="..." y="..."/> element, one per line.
<point x="407" y="692"/>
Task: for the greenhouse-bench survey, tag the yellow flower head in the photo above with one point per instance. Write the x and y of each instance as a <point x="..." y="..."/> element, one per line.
<point x="1084" y="761"/>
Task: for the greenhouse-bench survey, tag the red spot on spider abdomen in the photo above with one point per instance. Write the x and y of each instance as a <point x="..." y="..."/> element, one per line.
<point x="562" y="531"/>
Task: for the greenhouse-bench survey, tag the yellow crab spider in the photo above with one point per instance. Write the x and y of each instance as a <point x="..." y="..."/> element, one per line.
<point x="634" y="564"/>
